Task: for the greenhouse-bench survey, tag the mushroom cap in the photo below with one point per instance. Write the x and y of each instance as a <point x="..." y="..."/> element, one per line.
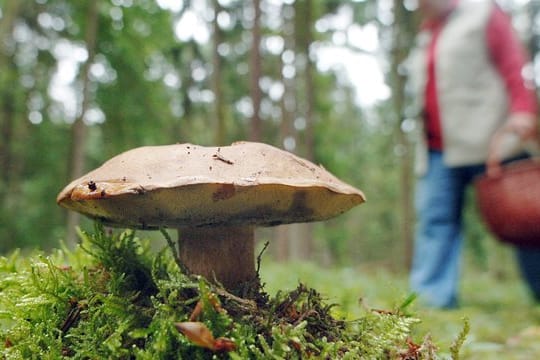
<point x="181" y="185"/>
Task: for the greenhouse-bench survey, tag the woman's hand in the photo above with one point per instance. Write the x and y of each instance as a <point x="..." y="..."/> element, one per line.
<point x="525" y="125"/>
<point x="521" y="125"/>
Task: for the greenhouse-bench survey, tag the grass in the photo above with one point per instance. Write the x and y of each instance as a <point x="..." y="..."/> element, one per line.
<point x="504" y="322"/>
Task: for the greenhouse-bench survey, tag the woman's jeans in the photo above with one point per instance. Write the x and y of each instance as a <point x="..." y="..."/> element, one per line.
<point x="529" y="261"/>
<point x="436" y="262"/>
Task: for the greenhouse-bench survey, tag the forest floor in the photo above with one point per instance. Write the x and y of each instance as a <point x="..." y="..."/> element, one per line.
<point x="504" y="322"/>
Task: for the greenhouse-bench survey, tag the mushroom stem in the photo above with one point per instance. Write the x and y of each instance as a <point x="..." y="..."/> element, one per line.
<point x="226" y="254"/>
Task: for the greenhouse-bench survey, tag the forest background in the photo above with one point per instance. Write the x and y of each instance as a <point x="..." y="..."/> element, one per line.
<point x="81" y="81"/>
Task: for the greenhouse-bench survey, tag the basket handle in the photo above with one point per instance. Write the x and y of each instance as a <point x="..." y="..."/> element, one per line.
<point x="506" y="137"/>
<point x="493" y="161"/>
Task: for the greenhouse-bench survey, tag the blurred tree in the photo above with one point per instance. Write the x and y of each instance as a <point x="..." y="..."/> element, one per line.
<point x="11" y="11"/>
<point x="403" y="30"/>
<point x="534" y="20"/>
<point x="305" y="95"/>
<point x="10" y="101"/>
<point x="256" y="73"/>
<point x="217" y="79"/>
<point x="46" y="69"/>
<point x="78" y="128"/>
<point x="137" y="78"/>
<point x="281" y="243"/>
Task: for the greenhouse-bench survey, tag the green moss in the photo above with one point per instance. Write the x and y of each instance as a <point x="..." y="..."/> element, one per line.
<point x="113" y="298"/>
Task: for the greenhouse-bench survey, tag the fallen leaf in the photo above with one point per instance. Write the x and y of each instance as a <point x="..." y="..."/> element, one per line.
<point x="197" y="333"/>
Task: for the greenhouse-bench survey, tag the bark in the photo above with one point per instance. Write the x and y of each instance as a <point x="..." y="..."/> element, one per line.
<point x="308" y="229"/>
<point x="78" y="129"/>
<point x="402" y="35"/>
<point x="304" y="246"/>
<point x="281" y="243"/>
<point x="534" y="40"/>
<point x="309" y="83"/>
<point x="6" y="138"/>
<point x="10" y="13"/>
<point x="219" y="110"/>
<point x="282" y="238"/>
<point x="256" y="94"/>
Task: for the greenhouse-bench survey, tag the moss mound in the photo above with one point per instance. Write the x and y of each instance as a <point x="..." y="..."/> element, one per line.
<point x="112" y="298"/>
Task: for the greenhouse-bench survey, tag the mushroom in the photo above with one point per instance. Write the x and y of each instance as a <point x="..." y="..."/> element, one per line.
<point x="214" y="196"/>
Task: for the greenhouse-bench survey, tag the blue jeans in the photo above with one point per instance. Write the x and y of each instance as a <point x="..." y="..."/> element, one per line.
<point x="529" y="262"/>
<point x="439" y="202"/>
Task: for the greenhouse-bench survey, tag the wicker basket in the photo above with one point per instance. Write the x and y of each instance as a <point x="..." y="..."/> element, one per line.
<point x="510" y="202"/>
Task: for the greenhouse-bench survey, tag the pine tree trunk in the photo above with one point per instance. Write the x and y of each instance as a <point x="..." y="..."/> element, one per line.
<point x="10" y="12"/>
<point x="534" y="40"/>
<point x="219" y="110"/>
<point x="256" y="95"/>
<point x="402" y="38"/>
<point x="308" y="231"/>
<point x="304" y="247"/>
<point x="78" y="129"/>
<point x="281" y="246"/>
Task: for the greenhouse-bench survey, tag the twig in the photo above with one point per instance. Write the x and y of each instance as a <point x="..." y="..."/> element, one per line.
<point x="247" y="304"/>
<point x="218" y="156"/>
<point x="175" y="251"/>
<point x="259" y="257"/>
<point x="304" y="315"/>
<point x="72" y="317"/>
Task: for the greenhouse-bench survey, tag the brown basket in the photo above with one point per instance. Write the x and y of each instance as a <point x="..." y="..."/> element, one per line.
<point x="510" y="202"/>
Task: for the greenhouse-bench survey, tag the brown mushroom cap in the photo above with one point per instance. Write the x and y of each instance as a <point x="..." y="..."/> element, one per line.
<point x="245" y="183"/>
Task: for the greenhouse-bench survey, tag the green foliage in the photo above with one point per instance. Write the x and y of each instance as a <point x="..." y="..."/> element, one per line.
<point x="458" y="342"/>
<point x="113" y="298"/>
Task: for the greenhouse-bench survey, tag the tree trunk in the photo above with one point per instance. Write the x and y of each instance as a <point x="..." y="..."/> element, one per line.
<point x="309" y="82"/>
<point x="256" y="95"/>
<point x="11" y="10"/>
<point x="309" y="246"/>
<point x="402" y="35"/>
<point x="304" y="247"/>
<point x="282" y="238"/>
<point x="6" y="136"/>
<point x="219" y="110"/>
<point x="78" y="129"/>
<point x="534" y="39"/>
